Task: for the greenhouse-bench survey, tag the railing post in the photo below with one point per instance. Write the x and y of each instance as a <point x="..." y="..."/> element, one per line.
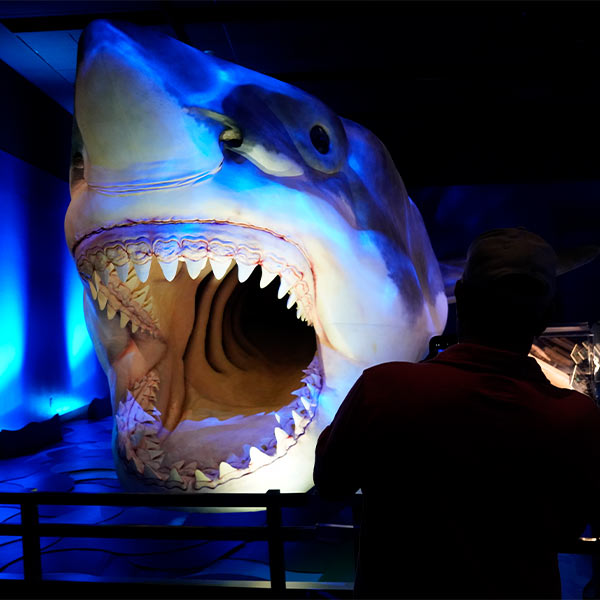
<point x="275" y="541"/>
<point x="32" y="560"/>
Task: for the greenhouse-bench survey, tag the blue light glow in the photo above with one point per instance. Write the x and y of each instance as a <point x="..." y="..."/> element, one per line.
<point x="58" y="404"/>
<point x="77" y="340"/>
<point x="355" y="164"/>
<point x="12" y="291"/>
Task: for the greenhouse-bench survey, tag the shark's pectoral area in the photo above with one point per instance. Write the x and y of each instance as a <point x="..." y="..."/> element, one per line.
<point x="208" y="342"/>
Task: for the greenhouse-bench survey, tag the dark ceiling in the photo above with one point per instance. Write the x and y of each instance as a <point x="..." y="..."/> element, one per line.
<point x="460" y="93"/>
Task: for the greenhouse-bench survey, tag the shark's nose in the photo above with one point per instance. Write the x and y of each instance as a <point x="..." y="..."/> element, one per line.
<point x="134" y="122"/>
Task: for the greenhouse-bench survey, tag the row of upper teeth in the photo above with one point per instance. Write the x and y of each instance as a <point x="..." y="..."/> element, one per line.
<point x="138" y="424"/>
<point x="290" y="282"/>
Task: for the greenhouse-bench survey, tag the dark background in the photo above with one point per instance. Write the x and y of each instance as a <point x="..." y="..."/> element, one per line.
<point x="489" y="109"/>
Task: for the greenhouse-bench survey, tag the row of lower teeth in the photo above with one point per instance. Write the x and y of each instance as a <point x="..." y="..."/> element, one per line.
<point x="138" y="425"/>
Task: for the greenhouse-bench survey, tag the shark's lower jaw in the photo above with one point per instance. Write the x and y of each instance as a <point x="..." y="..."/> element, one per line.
<point x="215" y="376"/>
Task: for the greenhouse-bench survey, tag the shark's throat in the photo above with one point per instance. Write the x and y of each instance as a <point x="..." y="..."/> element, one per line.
<point x="209" y="346"/>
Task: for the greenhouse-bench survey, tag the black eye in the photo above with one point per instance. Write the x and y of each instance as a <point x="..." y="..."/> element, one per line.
<point x="232" y="137"/>
<point x="319" y="139"/>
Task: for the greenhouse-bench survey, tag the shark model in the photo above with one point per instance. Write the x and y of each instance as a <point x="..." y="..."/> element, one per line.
<point x="245" y="254"/>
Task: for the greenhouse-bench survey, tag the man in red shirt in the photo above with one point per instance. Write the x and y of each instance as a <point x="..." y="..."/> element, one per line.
<point x="474" y="469"/>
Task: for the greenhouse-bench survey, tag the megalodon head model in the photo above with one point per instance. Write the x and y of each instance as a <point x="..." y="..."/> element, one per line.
<point x="245" y="254"/>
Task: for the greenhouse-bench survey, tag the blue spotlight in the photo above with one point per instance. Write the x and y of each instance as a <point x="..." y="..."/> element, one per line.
<point x="12" y="297"/>
<point x="58" y="404"/>
<point x="77" y="340"/>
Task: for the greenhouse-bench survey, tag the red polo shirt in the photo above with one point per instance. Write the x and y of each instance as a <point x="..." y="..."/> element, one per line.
<point x="473" y="468"/>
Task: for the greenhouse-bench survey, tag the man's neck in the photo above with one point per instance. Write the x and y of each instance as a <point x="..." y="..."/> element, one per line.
<point x="518" y="347"/>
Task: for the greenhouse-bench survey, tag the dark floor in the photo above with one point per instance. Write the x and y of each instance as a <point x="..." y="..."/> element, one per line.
<point x="83" y="462"/>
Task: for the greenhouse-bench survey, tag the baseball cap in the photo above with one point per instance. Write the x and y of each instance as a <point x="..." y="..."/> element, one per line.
<point x="511" y="251"/>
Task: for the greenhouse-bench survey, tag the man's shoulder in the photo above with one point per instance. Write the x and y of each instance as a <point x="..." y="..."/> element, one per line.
<point x="580" y="405"/>
<point x="389" y="373"/>
<point x="391" y="367"/>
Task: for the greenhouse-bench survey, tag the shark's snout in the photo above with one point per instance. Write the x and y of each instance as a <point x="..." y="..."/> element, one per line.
<point x="131" y="118"/>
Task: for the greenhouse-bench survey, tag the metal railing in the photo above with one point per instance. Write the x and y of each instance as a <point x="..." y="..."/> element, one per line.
<point x="273" y="532"/>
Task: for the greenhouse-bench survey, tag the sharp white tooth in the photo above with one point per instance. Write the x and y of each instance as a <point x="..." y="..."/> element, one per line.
<point x="152" y="443"/>
<point x="93" y="290"/>
<point x="306" y="404"/>
<point x="297" y="420"/>
<point x="110" y="312"/>
<point x="142" y="270"/>
<point x="150" y="473"/>
<point x="284" y="287"/>
<point x="291" y="300"/>
<point x="312" y="389"/>
<point x="283" y="439"/>
<point x="139" y="465"/>
<point x="201" y="477"/>
<point x="169" y="269"/>
<point x="123" y="271"/>
<point x="195" y="267"/>
<point x="258" y="458"/>
<point x="105" y="275"/>
<point x="174" y="475"/>
<point x="140" y="295"/>
<point x="244" y="271"/>
<point x="132" y="280"/>
<point x="134" y="327"/>
<point x="225" y="469"/>
<point x="96" y="277"/>
<point x="149" y="308"/>
<point x="124" y="320"/>
<point x="266" y="278"/>
<point x="219" y="267"/>
<point x="102" y="299"/>
<point x="190" y="468"/>
<point x="278" y="418"/>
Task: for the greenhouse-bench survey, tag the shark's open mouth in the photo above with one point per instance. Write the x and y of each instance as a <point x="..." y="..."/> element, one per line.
<point x="208" y="331"/>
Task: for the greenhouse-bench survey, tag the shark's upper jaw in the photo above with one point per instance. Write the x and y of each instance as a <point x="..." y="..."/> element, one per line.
<point x="207" y="330"/>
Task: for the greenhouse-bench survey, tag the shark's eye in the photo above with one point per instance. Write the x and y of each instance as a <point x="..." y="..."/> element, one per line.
<point x="319" y="139"/>
<point x="232" y="137"/>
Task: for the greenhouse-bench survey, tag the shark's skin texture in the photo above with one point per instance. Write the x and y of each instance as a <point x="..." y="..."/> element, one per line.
<point x="185" y="163"/>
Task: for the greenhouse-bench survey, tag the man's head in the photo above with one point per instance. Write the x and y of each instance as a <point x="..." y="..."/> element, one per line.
<point x="506" y="294"/>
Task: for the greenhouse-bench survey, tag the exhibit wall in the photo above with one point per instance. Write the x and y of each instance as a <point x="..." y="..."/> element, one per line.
<point x="565" y="213"/>
<point x="47" y="363"/>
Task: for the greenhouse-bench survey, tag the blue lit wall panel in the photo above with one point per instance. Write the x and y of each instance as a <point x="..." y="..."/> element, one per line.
<point x="47" y="363"/>
<point x="13" y="287"/>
